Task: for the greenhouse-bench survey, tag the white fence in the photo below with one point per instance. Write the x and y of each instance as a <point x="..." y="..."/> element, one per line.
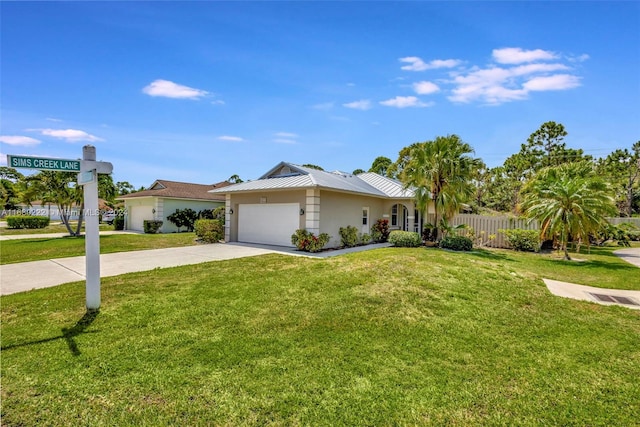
<point x="485" y="226"/>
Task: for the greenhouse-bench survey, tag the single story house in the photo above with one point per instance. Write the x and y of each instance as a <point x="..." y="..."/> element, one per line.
<point x="290" y="197"/>
<point x="163" y="198"/>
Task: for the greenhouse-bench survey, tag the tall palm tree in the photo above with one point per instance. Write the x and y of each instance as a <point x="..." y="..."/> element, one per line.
<point x="439" y="171"/>
<point x="569" y="201"/>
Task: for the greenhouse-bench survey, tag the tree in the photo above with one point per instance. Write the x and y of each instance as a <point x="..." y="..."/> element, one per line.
<point x="439" y="171"/>
<point x="235" y="179"/>
<point x="358" y="171"/>
<point x="547" y="143"/>
<point x="124" y="187"/>
<point x="622" y="168"/>
<point x="312" y="166"/>
<point x="60" y="188"/>
<point x="10" y="180"/>
<point x="107" y="190"/>
<point x="183" y="218"/>
<point x="381" y="165"/>
<point x="569" y="201"/>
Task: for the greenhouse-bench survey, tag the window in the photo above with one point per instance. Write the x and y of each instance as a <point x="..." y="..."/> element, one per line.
<point x="365" y="216"/>
<point x="394" y="216"/>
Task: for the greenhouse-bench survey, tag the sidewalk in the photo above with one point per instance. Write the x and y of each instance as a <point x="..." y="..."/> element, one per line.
<point x="26" y="276"/>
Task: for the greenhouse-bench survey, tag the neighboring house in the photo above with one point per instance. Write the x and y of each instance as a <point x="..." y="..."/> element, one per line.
<point x="290" y="197"/>
<point x="163" y="198"/>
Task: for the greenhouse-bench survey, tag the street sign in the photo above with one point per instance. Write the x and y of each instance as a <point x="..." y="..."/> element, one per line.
<point x="86" y="177"/>
<point x="43" y="163"/>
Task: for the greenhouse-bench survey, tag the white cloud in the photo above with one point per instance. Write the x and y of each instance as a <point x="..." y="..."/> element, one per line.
<point x="69" y="135"/>
<point x="363" y="104"/>
<point x="555" y="82"/>
<point x="516" y="55"/>
<point x="286" y="135"/>
<point x="405" y="101"/>
<point x="170" y="89"/>
<point x="51" y="119"/>
<point x="417" y="64"/>
<point x="218" y="102"/>
<point x="496" y="85"/>
<point x="579" y="58"/>
<point x="285" y="141"/>
<point x="18" y="140"/>
<point x="425" y="88"/>
<point x="230" y="138"/>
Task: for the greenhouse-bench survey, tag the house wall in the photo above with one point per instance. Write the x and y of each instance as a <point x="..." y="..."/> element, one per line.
<point x="233" y="200"/>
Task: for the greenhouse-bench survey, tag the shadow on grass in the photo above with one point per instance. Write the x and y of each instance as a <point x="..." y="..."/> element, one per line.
<point x="68" y="334"/>
<point x="493" y="255"/>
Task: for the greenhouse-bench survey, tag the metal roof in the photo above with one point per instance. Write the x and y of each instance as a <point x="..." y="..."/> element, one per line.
<point x="290" y="176"/>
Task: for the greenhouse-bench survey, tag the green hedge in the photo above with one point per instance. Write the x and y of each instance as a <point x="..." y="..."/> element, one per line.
<point x="456" y="243"/>
<point x="405" y="239"/>
<point x="523" y="240"/>
<point x="348" y="236"/>
<point x="209" y="230"/>
<point x="118" y="223"/>
<point x="27" y="221"/>
<point x="308" y="242"/>
<point x="151" y="226"/>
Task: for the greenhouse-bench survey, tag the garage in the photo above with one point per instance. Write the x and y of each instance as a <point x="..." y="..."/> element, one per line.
<point x="271" y="224"/>
<point x="137" y="215"/>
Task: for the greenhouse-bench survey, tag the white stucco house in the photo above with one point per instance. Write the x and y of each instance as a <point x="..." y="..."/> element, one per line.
<point x="290" y="197"/>
<point x="162" y="199"/>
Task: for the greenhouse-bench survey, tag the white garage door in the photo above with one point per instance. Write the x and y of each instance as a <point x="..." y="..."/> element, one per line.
<point x="137" y="214"/>
<point x="271" y="224"/>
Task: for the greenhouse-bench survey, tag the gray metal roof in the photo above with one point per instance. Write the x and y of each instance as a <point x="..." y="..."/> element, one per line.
<point x="290" y="176"/>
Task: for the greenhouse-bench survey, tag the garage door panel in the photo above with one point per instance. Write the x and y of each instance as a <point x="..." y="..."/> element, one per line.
<point x="138" y="214"/>
<point x="271" y="224"/>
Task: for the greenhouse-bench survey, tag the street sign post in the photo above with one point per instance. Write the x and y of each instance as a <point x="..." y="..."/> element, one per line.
<point x="88" y="169"/>
<point x="44" y="163"/>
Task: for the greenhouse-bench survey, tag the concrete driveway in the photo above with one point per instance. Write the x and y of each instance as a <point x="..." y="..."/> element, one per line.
<point x="43" y="274"/>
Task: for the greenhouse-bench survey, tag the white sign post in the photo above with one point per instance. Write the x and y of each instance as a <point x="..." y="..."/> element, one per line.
<point x="88" y="178"/>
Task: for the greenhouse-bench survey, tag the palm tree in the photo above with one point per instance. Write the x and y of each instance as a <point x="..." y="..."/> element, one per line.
<point x="439" y="171"/>
<point x="569" y="201"/>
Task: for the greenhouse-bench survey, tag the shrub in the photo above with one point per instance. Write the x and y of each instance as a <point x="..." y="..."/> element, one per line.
<point x="151" y="226"/>
<point x="217" y="213"/>
<point x="118" y="223"/>
<point x="348" y="236"/>
<point x="365" y="238"/>
<point x="209" y="230"/>
<point x="456" y="243"/>
<point x="380" y="231"/>
<point x="183" y="218"/>
<point x="27" y="221"/>
<point x="405" y="239"/>
<point x="523" y="240"/>
<point x="308" y="242"/>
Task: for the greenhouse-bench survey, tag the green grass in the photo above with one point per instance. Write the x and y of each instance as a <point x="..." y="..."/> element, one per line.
<point x="56" y="227"/>
<point x="385" y="337"/>
<point x="23" y="250"/>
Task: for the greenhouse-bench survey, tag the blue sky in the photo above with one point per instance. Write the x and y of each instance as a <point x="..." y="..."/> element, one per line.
<point x="199" y="91"/>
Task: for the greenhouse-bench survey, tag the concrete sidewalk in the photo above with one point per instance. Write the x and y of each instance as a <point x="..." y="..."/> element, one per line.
<point x="26" y="276"/>
<point x="624" y="298"/>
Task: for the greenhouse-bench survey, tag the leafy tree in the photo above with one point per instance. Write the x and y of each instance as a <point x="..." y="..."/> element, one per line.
<point x="622" y="168"/>
<point x="381" y="165"/>
<point x="235" y="179"/>
<point x="439" y="171"/>
<point x="311" y="166"/>
<point x="10" y="180"/>
<point x="358" y="171"/>
<point x="569" y="201"/>
<point x="124" y="187"/>
<point x="107" y="190"/>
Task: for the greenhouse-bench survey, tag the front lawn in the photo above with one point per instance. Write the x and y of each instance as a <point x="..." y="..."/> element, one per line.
<point x="385" y="337"/>
<point x="23" y="250"/>
<point x="53" y="227"/>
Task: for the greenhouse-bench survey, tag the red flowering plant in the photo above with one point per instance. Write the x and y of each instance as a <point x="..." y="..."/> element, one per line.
<point x="308" y="242"/>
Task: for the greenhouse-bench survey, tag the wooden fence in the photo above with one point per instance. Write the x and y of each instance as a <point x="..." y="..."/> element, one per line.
<point x="486" y="226"/>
